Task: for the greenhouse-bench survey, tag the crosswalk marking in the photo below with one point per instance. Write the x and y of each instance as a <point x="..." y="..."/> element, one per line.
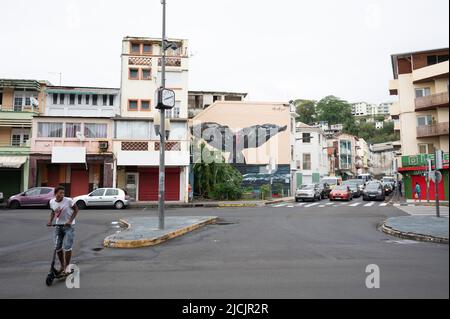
<point x="355" y="204"/>
<point x="301" y="204"/>
<point x="369" y="205"/>
<point x="312" y="205"/>
<point x="383" y="204"/>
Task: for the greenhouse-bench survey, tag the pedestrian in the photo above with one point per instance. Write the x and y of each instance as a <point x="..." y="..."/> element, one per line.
<point x="400" y="188"/>
<point x="65" y="211"/>
<point x="417" y="191"/>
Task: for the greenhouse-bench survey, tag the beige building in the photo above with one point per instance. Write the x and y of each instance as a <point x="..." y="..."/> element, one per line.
<point x="135" y="142"/>
<point x="421" y="112"/>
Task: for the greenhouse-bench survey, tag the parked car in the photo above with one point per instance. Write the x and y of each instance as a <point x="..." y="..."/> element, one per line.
<point x="325" y="190"/>
<point x="354" y="187"/>
<point x="341" y="192"/>
<point x="390" y="180"/>
<point x="37" y="196"/>
<point x="103" y="197"/>
<point x="388" y="188"/>
<point x="365" y="177"/>
<point x="332" y="181"/>
<point x="359" y="182"/>
<point x="1" y="197"/>
<point x="374" y="191"/>
<point x="308" y="192"/>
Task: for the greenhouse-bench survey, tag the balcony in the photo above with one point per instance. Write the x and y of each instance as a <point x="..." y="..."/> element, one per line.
<point x="432" y="130"/>
<point x="45" y="145"/>
<point x="432" y="101"/>
<point x="432" y="72"/>
<point x="8" y="149"/>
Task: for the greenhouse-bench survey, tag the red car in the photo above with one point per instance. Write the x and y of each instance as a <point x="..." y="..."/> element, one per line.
<point x="342" y="192"/>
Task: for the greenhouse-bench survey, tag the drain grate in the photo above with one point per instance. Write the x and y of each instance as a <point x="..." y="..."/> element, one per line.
<point x="98" y="249"/>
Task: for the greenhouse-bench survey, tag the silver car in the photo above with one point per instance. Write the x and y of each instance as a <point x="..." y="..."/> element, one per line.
<point x="310" y="192"/>
<point x="103" y="197"/>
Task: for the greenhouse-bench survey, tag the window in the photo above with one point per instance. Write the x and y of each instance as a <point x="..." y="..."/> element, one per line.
<point x="33" y="192"/>
<point x="424" y="120"/>
<point x="61" y="99"/>
<point x="72" y="129"/>
<point x="105" y="100"/>
<point x="88" y="99"/>
<point x="421" y="92"/>
<point x="111" y="100"/>
<point x="145" y="105"/>
<point x="135" y="48"/>
<point x="434" y="59"/>
<point x="50" y="129"/>
<point x="146" y="74"/>
<point x="112" y="192"/>
<point x="95" y="99"/>
<point x="306" y="137"/>
<point x="147" y="48"/>
<point x="94" y="130"/>
<point x="18" y="104"/>
<point x="134" y="74"/>
<point x="45" y="191"/>
<point x="19" y="137"/>
<point x="133" y="105"/>
<point x="72" y="99"/>
<point x="426" y="148"/>
<point x="139" y="130"/>
<point x="55" y="98"/>
<point x="80" y="99"/>
<point x="307" y="162"/>
<point x="98" y="192"/>
<point x="1" y="98"/>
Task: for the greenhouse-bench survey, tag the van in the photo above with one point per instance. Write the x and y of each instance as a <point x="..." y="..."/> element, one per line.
<point x="331" y="181"/>
<point x="365" y="177"/>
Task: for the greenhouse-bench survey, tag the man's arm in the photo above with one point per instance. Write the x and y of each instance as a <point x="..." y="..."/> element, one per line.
<point x="74" y="214"/>
<point x="52" y="216"/>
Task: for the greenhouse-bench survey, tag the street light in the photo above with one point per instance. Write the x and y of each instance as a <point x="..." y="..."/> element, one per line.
<point x="166" y="100"/>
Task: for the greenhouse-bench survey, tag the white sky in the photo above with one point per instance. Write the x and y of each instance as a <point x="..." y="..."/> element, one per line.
<point x="275" y="50"/>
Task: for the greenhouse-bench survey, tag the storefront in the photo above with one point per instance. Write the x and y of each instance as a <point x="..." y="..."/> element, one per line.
<point x="13" y="175"/>
<point x="414" y="171"/>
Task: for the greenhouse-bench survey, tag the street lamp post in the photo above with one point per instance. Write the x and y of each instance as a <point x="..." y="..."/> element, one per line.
<point x="162" y="134"/>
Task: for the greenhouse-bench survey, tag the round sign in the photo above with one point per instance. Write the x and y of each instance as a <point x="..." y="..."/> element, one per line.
<point x="436" y="175"/>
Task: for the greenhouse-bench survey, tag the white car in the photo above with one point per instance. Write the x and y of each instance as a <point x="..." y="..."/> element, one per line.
<point x="103" y="197"/>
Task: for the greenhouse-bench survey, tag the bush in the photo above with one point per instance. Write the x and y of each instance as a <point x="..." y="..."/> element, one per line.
<point x="265" y="191"/>
<point x="226" y="191"/>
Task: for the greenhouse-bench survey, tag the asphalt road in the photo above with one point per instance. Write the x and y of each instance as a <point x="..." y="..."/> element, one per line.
<point x="270" y="252"/>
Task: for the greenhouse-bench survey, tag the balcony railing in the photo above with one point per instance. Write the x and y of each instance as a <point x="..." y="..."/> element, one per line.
<point x="432" y="101"/>
<point x="432" y="130"/>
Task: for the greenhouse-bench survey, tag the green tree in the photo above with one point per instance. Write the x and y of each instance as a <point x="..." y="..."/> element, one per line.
<point x="335" y="111"/>
<point x="306" y="109"/>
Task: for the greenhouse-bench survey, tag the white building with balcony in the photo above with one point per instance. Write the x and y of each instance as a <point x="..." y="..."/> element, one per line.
<point x="136" y="145"/>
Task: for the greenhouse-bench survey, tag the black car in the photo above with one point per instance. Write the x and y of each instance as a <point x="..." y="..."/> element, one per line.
<point x="325" y="190"/>
<point x="374" y="191"/>
<point x="354" y="187"/>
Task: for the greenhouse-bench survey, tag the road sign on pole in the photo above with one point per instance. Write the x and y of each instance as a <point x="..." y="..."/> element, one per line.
<point x="439" y="159"/>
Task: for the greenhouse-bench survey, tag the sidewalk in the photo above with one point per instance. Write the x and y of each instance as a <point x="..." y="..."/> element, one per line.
<point x="420" y="228"/>
<point x="217" y="204"/>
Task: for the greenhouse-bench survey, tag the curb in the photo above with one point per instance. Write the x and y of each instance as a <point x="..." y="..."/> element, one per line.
<point x="109" y="242"/>
<point x="413" y="236"/>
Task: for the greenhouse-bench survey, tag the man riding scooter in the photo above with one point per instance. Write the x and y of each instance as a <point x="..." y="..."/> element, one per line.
<point x="65" y="211"/>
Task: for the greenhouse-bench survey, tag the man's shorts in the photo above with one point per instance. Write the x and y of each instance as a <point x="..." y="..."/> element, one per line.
<point x="64" y="237"/>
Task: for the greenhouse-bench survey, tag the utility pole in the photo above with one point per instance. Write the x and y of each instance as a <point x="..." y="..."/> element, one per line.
<point x="162" y="134"/>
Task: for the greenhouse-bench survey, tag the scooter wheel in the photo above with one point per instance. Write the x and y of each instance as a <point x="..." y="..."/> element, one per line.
<point x="49" y="280"/>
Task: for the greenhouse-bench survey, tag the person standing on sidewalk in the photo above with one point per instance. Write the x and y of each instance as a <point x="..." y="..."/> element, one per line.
<point x="400" y="188"/>
<point x="417" y="191"/>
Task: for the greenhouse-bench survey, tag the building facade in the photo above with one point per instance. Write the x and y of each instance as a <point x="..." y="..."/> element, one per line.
<point x="257" y="138"/>
<point x="421" y="113"/>
<point x="342" y="154"/>
<point x="200" y="100"/>
<point x="382" y="157"/>
<point x="71" y="142"/>
<point x="311" y="157"/>
<point x="135" y="143"/>
<point x="362" y="158"/>
<point x="20" y="101"/>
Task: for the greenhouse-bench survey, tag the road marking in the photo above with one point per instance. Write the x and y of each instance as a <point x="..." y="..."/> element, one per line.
<point x="280" y="205"/>
<point x="311" y="205"/>
<point x="355" y="204"/>
<point x="301" y="204"/>
<point x="329" y="204"/>
<point x="369" y="205"/>
<point x="290" y="206"/>
<point x="383" y="205"/>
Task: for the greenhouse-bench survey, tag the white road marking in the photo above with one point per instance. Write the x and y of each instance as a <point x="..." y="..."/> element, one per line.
<point x="384" y="204"/>
<point x="301" y="204"/>
<point x="312" y="205"/>
<point x="280" y="205"/>
<point x="370" y="204"/>
<point x="355" y="204"/>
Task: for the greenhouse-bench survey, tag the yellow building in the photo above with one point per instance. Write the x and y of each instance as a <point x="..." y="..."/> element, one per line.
<point x="421" y="112"/>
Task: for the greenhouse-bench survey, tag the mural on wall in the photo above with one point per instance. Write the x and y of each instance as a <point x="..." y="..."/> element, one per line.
<point x="222" y="138"/>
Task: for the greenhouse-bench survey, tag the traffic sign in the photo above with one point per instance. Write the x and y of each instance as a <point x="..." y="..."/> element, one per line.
<point x="437" y="175"/>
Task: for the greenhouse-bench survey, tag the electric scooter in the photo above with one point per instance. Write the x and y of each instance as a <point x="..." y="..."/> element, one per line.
<point x="54" y="274"/>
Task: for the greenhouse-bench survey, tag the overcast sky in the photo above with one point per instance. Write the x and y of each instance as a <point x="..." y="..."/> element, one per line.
<point x="274" y="50"/>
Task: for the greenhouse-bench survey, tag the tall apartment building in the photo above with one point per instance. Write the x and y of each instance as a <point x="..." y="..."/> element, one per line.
<point x="136" y="145"/>
<point x="421" y="114"/>
<point x="20" y="101"/>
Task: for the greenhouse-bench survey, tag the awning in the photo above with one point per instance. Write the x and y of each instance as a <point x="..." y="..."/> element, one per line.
<point x="12" y="161"/>
<point x="348" y="173"/>
<point x="69" y="155"/>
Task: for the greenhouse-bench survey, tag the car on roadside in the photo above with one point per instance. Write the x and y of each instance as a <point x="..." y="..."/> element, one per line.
<point x="103" y="197"/>
<point x="354" y="187"/>
<point x="341" y="192"/>
<point x="1" y="197"/>
<point x="34" y="197"/>
<point x="374" y="191"/>
<point x="388" y="188"/>
<point x="389" y="180"/>
<point x="331" y="181"/>
<point x="308" y="192"/>
<point x="325" y="190"/>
